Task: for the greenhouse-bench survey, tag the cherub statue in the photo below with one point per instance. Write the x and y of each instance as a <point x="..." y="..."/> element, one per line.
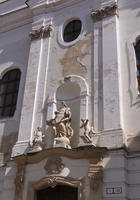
<point x="38" y="141"/>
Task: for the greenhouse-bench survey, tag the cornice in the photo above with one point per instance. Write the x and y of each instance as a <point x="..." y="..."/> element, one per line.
<point x="44" y="6"/>
<point x="105" y="11"/>
<point x="95" y="153"/>
<point x="15" y="19"/>
<point x="10" y="6"/>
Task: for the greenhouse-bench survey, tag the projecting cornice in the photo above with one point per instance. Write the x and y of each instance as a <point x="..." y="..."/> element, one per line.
<point x="104" y="12"/>
<point x="39" y="6"/>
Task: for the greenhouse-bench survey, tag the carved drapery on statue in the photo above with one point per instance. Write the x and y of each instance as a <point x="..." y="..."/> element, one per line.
<point x="61" y="127"/>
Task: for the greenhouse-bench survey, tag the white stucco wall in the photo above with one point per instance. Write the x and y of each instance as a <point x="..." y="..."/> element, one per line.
<point x="103" y="57"/>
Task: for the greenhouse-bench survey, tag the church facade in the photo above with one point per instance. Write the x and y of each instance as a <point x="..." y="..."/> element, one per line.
<point x="69" y="99"/>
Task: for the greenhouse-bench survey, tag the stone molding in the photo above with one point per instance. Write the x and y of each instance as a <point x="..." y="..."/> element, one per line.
<point x="104" y="12"/>
<point x="95" y="155"/>
<point x="54" y="165"/>
<point x="87" y="152"/>
<point x="95" y="175"/>
<point x="43" y="32"/>
<point x="52" y="181"/>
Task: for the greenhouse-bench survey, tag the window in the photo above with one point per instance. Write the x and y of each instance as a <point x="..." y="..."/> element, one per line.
<point x="9" y="86"/>
<point x="137" y="51"/>
<point x="72" y="30"/>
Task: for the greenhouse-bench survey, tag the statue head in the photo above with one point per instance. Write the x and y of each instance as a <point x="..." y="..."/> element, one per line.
<point x="64" y="104"/>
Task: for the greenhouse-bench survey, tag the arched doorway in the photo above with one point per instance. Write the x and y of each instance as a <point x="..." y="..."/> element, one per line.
<point x="60" y="192"/>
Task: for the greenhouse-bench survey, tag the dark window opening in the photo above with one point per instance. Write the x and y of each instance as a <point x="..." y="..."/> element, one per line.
<point x="60" y="192"/>
<point x="9" y="86"/>
<point x="72" y="30"/>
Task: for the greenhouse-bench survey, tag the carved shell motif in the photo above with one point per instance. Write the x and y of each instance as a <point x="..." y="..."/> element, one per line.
<point x="54" y="165"/>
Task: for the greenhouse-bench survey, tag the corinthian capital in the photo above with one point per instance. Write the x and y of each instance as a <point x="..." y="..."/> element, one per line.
<point x="43" y="32"/>
<point x="104" y="12"/>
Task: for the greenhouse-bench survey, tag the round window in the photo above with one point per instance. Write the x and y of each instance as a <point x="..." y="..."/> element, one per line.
<point x="72" y="30"/>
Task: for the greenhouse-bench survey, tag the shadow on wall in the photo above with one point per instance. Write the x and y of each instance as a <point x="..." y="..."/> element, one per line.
<point x="133" y="143"/>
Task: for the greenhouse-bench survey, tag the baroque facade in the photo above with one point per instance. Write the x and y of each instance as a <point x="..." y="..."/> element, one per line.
<point x="69" y="99"/>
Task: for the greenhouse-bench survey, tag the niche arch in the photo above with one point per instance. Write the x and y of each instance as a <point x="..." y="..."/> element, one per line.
<point x="70" y="89"/>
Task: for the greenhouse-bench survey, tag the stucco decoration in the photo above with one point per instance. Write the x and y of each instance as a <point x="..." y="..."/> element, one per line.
<point x="54" y="165"/>
<point x="95" y="155"/>
<point x="61" y="127"/>
<point x="52" y="181"/>
<point x="38" y="142"/>
<point x="104" y="12"/>
<point x="43" y="32"/>
<point x="88" y="132"/>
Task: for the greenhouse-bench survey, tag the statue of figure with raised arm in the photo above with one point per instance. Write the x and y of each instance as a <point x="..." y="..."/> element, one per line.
<point x="61" y="126"/>
<point x="88" y="131"/>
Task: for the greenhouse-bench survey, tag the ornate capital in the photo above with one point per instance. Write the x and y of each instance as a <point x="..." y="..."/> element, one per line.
<point x="43" y="32"/>
<point x="104" y="12"/>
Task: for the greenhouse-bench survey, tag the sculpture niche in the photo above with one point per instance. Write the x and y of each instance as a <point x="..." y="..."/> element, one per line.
<point x="61" y="127"/>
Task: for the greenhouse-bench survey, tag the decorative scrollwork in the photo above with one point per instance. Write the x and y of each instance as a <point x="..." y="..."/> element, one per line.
<point x="54" y="165"/>
<point x="105" y="12"/>
<point x="43" y="32"/>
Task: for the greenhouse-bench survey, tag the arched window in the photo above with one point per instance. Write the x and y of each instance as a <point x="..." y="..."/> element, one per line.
<point x="9" y="86"/>
<point x="137" y="51"/>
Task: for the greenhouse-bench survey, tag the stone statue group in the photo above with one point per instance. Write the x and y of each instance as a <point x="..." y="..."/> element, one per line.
<point x="62" y="131"/>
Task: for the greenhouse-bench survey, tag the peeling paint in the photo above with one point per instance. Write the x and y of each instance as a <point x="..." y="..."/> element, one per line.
<point x="73" y="60"/>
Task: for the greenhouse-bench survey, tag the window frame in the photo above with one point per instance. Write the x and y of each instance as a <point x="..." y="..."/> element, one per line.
<point x="6" y="92"/>
<point x="67" y="33"/>
<point x="63" y="25"/>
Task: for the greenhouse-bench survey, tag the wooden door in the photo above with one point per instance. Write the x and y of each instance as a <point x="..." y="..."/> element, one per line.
<point x="60" y="192"/>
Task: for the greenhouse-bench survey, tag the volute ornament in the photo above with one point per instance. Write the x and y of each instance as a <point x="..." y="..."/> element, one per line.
<point x="43" y="32"/>
<point x="105" y="12"/>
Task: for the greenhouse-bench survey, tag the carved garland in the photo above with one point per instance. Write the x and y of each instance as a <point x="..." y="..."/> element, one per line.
<point x="43" y="32"/>
<point x="105" y="12"/>
<point x="52" y="181"/>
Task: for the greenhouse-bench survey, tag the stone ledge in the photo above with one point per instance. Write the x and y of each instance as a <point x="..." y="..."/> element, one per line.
<point x="83" y="152"/>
